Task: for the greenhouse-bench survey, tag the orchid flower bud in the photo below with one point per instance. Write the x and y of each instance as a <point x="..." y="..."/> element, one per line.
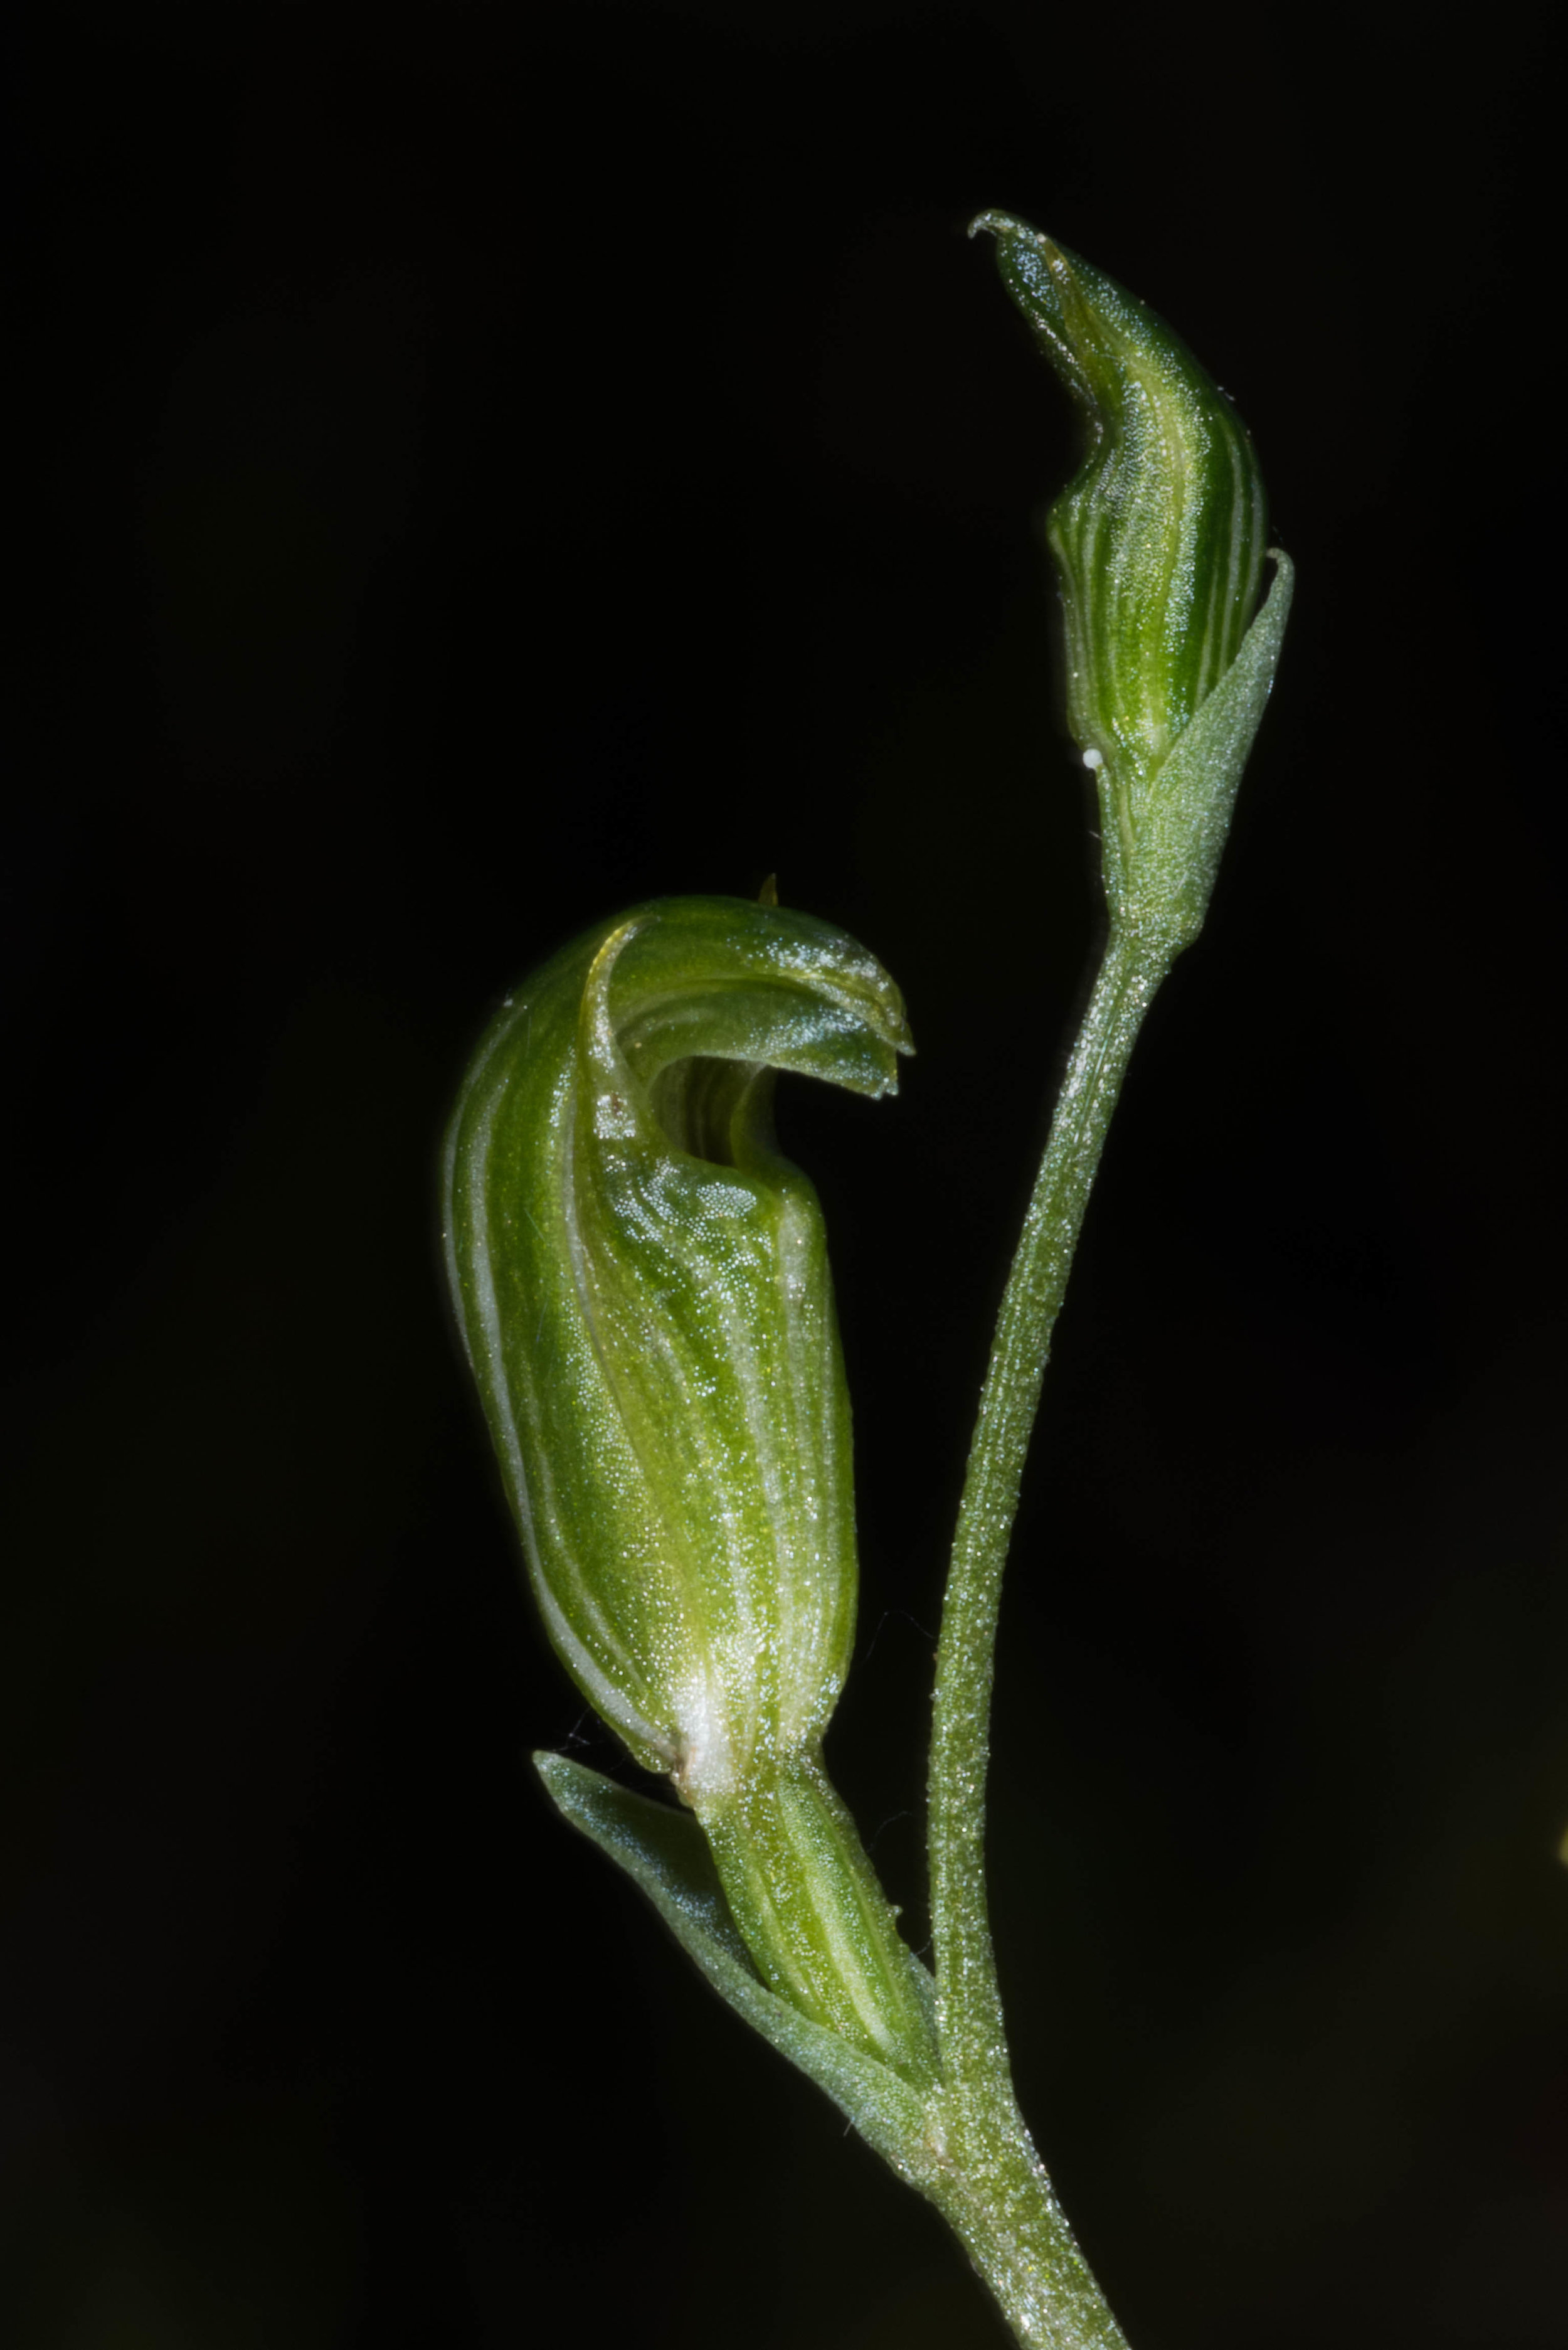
<point x="643" y="1290"/>
<point x="641" y="1283"/>
<point x="1160" y="539"/>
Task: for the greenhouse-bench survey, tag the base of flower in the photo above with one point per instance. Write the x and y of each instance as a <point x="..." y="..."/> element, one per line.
<point x="815" y="1919"/>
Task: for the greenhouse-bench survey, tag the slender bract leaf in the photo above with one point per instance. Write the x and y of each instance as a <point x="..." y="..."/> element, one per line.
<point x="1172" y="878"/>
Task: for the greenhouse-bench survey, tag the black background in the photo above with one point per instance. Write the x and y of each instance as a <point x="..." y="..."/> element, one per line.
<point x="485" y="467"/>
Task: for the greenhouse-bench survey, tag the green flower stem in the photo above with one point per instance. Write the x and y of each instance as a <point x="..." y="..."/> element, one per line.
<point x="1011" y="2222"/>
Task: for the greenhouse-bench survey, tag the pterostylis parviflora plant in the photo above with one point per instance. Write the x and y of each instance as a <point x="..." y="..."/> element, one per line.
<point x="641" y="1283"/>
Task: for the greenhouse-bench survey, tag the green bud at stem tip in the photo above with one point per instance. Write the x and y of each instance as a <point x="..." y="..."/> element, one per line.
<point x="1159" y="538"/>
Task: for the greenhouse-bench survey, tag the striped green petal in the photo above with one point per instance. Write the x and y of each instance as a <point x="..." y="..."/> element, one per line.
<point x="642" y="1285"/>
